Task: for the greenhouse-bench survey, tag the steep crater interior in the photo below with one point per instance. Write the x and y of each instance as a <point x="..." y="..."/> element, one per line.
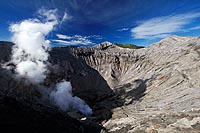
<point x="153" y="89"/>
<point x="22" y="102"/>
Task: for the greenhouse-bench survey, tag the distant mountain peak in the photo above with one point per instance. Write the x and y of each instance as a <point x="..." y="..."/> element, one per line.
<point x="104" y="45"/>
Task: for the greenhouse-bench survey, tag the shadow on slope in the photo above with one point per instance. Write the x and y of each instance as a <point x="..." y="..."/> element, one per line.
<point x="17" y="117"/>
<point x="87" y="84"/>
<point x="132" y="91"/>
<point x="21" y="107"/>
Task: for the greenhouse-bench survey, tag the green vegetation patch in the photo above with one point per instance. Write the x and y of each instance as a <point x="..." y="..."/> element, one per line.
<point x="131" y="46"/>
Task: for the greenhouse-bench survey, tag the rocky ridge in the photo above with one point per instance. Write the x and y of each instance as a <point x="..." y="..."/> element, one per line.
<point x="161" y="80"/>
<point x="153" y="89"/>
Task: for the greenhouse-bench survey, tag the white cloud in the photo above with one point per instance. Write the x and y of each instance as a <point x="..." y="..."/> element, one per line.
<point x="98" y="37"/>
<point x="60" y="36"/>
<point x="66" y="17"/>
<point x="194" y="28"/>
<point x="73" y="42"/>
<point x="76" y="39"/>
<point x="163" y="26"/>
<point x="51" y="15"/>
<point x="123" y="29"/>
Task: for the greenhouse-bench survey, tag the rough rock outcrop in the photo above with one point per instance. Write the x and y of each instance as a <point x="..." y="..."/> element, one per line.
<point x="161" y="80"/>
<point x="154" y="89"/>
<point x="111" y="61"/>
<point x="159" y="85"/>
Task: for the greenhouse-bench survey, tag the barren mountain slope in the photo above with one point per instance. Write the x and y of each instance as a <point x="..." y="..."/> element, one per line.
<point x="153" y="89"/>
<point x="159" y="84"/>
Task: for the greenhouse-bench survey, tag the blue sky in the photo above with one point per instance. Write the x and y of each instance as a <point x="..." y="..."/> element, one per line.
<point x="89" y="22"/>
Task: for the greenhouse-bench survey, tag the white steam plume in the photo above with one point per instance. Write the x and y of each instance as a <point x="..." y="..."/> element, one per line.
<point x="63" y="98"/>
<point x="30" y="55"/>
<point x="30" y="52"/>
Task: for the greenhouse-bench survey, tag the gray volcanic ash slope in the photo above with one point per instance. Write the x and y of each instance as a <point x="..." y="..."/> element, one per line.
<point x="153" y="89"/>
<point x="159" y="85"/>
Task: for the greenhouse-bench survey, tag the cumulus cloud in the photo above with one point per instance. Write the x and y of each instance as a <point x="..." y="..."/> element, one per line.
<point x="62" y="97"/>
<point x="123" y="29"/>
<point x="163" y="26"/>
<point x="30" y="52"/>
<point x="76" y="39"/>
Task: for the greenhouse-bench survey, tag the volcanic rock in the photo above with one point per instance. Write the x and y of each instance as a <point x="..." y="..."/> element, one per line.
<point x="152" y="89"/>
